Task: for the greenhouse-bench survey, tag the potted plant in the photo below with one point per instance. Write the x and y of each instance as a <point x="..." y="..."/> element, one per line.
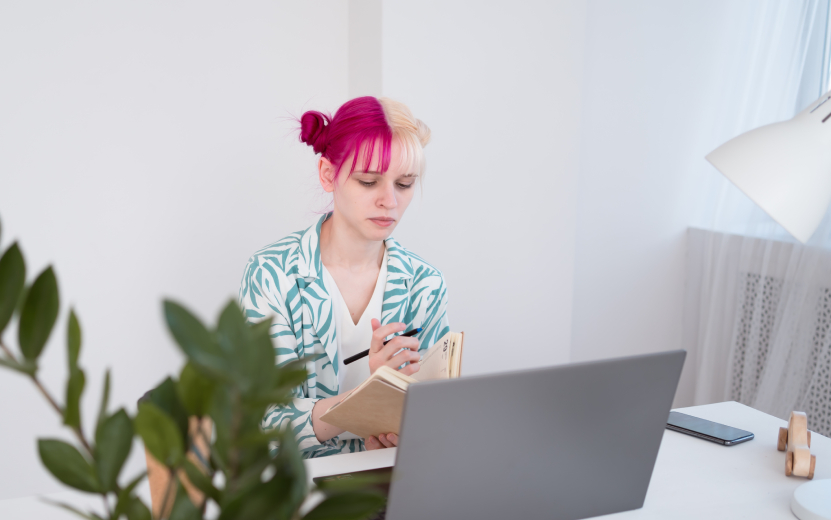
<point x="228" y="380"/>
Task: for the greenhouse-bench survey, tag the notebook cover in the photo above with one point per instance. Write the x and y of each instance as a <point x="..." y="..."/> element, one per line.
<point x="374" y="409"/>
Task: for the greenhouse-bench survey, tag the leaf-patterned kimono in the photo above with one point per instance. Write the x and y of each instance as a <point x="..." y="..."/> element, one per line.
<point x="284" y="280"/>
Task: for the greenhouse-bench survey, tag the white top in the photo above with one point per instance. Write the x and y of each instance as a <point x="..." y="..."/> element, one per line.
<point x="351" y="338"/>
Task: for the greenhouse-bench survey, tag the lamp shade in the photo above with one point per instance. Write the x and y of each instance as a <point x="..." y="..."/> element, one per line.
<point x="785" y="167"/>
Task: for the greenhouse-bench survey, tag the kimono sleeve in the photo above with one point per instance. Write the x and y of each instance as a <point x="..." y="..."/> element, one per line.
<point x="435" y="322"/>
<point x="262" y="296"/>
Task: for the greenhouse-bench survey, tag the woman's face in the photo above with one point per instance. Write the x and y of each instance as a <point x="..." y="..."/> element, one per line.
<point x="369" y="202"/>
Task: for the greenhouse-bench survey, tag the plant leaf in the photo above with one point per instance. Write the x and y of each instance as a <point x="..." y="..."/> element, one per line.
<point x="12" y="280"/>
<point x="67" y="464"/>
<point x="278" y="497"/>
<point x="77" y="380"/>
<point x="113" y="441"/>
<point x="356" y="505"/>
<point x="71" y="509"/>
<point x="105" y="401"/>
<point x="183" y="508"/>
<point x="125" y="496"/>
<point x="166" y="397"/>
<point x="26" y="367"/>
<point x="160" y="434"/>
<point x="73" y="340"/>
<point x="201" y="481"/>
<point x="40" y="310"/>
<point x="136" y="510"/>
<point x="74" y="388"/>
<point x="193" y="338"/>
<point x="195" y="390"/>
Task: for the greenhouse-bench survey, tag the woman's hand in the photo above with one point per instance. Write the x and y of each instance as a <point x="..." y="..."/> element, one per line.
<point x="385" y="440"/>
<point x="389" y="355"/>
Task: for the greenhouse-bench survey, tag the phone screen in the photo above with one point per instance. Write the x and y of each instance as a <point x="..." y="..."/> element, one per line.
<point x="709" y="430"/>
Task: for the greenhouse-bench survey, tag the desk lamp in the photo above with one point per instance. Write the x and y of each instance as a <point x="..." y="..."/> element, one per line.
<point x="785" y="168"/>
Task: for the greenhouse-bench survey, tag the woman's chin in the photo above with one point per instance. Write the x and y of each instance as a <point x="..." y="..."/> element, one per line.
<point x="376" y="233"/>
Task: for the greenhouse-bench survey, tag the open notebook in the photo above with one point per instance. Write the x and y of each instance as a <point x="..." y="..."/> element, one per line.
<point x="376" y="405"/>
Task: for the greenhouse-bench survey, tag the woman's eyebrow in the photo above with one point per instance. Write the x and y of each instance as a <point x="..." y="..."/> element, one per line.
<point x="382" y="173"/>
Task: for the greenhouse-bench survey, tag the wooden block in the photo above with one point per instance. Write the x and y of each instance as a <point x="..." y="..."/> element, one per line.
<point x="798" y="429"/>
<point x="783" y="439"/>
<point x="801" y="461"/>
<point x="813" y="467"/>
<point x="797" y="441"/>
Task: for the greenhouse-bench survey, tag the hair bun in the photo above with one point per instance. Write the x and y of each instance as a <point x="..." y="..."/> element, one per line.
<point x="314" y="130"/>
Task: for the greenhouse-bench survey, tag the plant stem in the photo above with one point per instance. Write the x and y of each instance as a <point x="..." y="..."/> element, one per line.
<point x="233" y="456"/>
<point x="107" y="506"/>
<point x="78" y="432"/>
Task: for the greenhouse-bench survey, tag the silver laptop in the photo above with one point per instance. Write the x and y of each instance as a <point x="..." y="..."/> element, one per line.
<point x="565" y="442"/>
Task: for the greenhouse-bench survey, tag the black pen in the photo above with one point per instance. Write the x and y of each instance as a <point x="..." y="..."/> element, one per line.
<point x="365" y="353"/>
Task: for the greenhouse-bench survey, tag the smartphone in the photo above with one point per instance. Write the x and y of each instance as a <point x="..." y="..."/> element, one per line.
<point x="707" y="430"/>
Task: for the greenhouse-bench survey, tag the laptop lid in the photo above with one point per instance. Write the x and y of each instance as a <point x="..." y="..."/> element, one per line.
<point x="567" y="442"/>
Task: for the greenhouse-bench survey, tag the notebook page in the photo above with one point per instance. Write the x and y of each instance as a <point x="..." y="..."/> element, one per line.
<point x="434" y="362"/>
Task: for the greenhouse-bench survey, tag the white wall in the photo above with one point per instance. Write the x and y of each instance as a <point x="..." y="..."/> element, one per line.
<point x="499" y="85"/>
<point x="146" y="150"/>
<point x="656" y="97"/>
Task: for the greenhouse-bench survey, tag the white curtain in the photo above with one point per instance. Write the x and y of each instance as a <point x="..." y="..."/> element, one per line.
<point x="758" y="304"/>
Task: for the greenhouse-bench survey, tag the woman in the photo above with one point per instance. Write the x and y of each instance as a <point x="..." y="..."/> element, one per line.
<point x="344" y="285"/>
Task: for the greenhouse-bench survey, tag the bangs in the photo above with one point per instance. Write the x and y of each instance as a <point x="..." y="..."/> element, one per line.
<point x="412" y="153"/>
<point x="365" y="150"/>
<point x="365" y="146"/>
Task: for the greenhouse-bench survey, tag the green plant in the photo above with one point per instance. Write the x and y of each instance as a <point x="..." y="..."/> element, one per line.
<point x="230" y="376"/>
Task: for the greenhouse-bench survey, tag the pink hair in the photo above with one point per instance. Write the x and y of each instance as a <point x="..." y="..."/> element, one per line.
<point x="359" y="125"/>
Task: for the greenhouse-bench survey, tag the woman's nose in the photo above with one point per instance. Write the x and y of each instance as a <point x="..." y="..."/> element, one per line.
<point x="387" y="199"/>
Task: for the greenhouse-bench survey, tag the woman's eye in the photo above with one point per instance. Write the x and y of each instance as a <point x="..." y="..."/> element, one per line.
<point x="405" y="186"/>
<point x="367" y="184"/>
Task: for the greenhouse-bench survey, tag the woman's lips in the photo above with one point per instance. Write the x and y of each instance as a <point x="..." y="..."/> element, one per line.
<point x="383" y="222"/>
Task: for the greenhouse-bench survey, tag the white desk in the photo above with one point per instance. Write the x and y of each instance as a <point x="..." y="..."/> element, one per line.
<point x="693" y="478"/>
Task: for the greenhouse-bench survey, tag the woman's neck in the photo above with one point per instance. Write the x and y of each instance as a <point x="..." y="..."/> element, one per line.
<point x="342" y="246"/>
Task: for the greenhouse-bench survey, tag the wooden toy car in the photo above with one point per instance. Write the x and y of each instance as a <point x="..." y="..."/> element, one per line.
<point x="796" y="439"/>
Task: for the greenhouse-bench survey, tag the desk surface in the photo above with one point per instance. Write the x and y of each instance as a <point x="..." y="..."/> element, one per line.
<point x="693" y="478"/>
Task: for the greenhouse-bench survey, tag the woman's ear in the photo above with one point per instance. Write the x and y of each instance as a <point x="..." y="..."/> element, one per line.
<point x="326" y="171"/>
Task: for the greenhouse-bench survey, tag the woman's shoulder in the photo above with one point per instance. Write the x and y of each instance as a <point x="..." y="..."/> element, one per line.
<point x="412" y="265"/>
<point x="281" y="256"/>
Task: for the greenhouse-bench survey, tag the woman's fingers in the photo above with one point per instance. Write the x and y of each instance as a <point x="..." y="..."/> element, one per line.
<point x="379" y="332"/>
<point x="402" y="357"/>
<point x="398" y="351"/>
<point x="410" y="369"/>
<point x="397" y="343"/>
<point x="372" y="443"/>
<point x="385" y="440"/>
<point x="389" y="440"/>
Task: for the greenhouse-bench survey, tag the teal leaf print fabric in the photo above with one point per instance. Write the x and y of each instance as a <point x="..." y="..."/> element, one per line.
<point x="284" y="280"/>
